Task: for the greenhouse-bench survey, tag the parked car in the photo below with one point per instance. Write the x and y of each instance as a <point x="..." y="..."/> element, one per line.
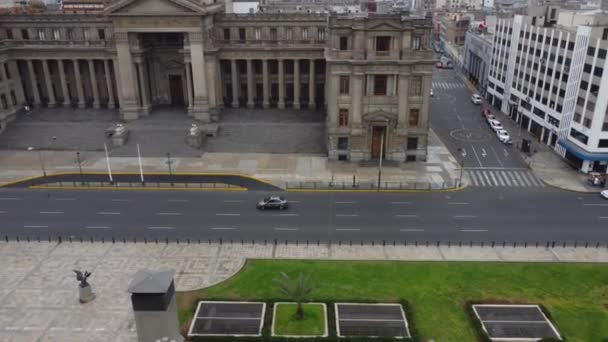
<point x="432" y="92"/>
<point x="476" y="99"/>
<point x="495" y="124"/>
<point x="272" y="202"/>
<point x="503" y="137"/>
<point x="604" y="194"/>
<point x="486" y="112"/>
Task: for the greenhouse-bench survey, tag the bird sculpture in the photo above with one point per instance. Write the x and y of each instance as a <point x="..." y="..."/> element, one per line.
<point x="82" y="277"/>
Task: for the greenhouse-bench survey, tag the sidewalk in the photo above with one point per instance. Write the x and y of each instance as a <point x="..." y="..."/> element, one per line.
<point x="544" y="161"/>
<point x="440" y="167"/>
<point x="39" y="296"/>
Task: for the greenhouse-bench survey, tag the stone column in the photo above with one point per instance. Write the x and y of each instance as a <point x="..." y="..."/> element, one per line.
<point x="49" y="84"/>
<point x="402" y="99"/>
<point x="17" y="81"/>
<point x="34" y="84"/>
<point x="356" y="96"/>
<point x="143" y="87"/>
<point x="106" y="68"/>
<point x="296" y="84"/>
<point x="81" y="103"/>
<point x="235" y="84"/>
<point x="125" y="77"/>
<point x="250" y="84"/>
<point x="332" y="93"/>
<point x="266" y="85"/>
<point x="424" y="109"/>
<point x="93" y="77"/>
<point x="311" y="85"/>
<point x="64" y="85"/>
<point x="281" y="103"/>
<point x="189" y="85"/>
<point x="200" y="109"/>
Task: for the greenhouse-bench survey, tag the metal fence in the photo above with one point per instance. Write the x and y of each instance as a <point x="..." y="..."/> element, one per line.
<point x="306" y="242"/>
<point x="131" y="184"/>
<point x="373" y="185"/>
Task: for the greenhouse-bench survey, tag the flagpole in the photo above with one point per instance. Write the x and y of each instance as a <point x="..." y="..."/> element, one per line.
<point x="105" y="147"/>
<point x="141" y="170"/>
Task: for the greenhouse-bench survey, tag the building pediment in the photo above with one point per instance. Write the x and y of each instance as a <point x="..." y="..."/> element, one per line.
<point x="379" y="116"/>
<point x="384" y="26"/>
<point x="154" y="7"/>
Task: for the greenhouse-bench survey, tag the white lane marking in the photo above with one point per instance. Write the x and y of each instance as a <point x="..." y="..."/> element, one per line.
<point x="458" y="203"/>
<point x="232" y="201"/>
<point x="347" y="215"/>
<point x="401" y="202"/>
<point x="108" y="213"/>
<point x="406" y="215"/>
<point x="226" y="214"/>
<point x="2" y="212"/>
<point x="10" y="199"/>
<point x="603" y="217"/>
<point x="286" y="215"/>
<point x="345" y="202"/>
<point x="222" y="228"/>
<point x="290" y="229"/>
<point x="480" y="176"/>
<point x="473" y="230"/>
<point x="177" y="200"/>
<point x="596" y="204"/>
<point x="483" y="152"/>
<point x="97" y="227"/>
<point x="169" y="214"/>
<point x="465" y="216"/>
<point x="51" y="212"/>
<point x="160" y="228"/>
<point x="476" y="156"/>
<point x="497" y="157"/>
<point x="348" y="229"/>
<point x="473" y="178"/>
<point x="35" y="226"/>
<point x="65" y="199"/>
<point x="120" y="200"/>
<point x="411" y="230"/>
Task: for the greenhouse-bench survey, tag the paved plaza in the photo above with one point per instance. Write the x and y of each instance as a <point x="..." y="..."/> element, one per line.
<point x="39" y="294"/>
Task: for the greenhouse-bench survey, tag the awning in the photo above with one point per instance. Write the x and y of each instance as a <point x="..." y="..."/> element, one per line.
<point x="582" y="154"/>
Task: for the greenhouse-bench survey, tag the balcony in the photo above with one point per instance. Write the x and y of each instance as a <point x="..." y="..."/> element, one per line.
<point x="56" y="43"/>
<point x="269" y="43"/>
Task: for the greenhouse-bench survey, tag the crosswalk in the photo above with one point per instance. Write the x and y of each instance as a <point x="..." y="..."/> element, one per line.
<point x="503" y="178"/>
<point x="447" y="85"/>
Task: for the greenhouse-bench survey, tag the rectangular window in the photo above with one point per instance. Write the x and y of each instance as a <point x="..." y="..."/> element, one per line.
<point x="7" y="71"/>
<point x="101" y="33"/>
<point x="416" y="86"/>
<point x="288" y="34"/>
<point x="344" y="85"/>
<point x="56" y="35"/>
<point x="342" y="143"/>
<point x="258" y="34"/>
<point x="273" y="34"/>
<point x="321" y="34"/>
<point x="587" y="68"/>
<point x="415" y="43"/>
<point x="343" y="117"/>
<point x="601" y="53"/>
<point x="414" y="116"/>
<point x="603" y="143"/>
<point x="69" y="34"/>
<point x="304" y="34"/>
<point x="25" y="34"/>
<point x="412" y="144"/>
<point x="9" y="33"/>
<point x="41" y="34"/>
<point x="590" y="51"/>
<point x="383" y="44"/>
<point x="226" y="34"/>
<point x="343" y="43"/>
<point x="87" y="35"/>
<point x="598" y="71"/>
<point x="242" y="35"/>
<point x="380" y="82"/>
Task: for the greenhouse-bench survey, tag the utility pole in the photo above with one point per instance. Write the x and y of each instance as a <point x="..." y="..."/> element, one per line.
<point x="141" y="170"/>
<point x="380" y="160"/>
<point x="169" y="165"/>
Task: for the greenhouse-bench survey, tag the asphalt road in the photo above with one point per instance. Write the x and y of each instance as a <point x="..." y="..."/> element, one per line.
<point x="459" y="124"/>
<point x="470" y="215"/>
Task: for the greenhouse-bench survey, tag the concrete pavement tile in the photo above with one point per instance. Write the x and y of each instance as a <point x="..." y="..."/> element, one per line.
<point x="139" y="249"/>
<point x="302" y="251"/>
<point x="197" y="265"/>
<point x="41" y="298"/>
<point x="357" y="252"/>
<point x="21" y="262"/>
<point x="579" y="254"/>
<point x="190" y="250"/>
<point x="412" y="253"/>
<point x="10" y="279"/>
<point x="191" y="281"/>
<point x="474" y="253"/>
<point x="126" y="336"/>
<point x="247" y="250"/>
<point x="34" y="320"/>
<point x="20" y="336"/>
<point x="525" y="254"/>
<point x="78" y="336"/>
<point x="79" y="249"/>
<point x="31" y="248"/>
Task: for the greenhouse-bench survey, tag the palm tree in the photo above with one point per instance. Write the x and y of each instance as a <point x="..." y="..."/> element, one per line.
<point x="297" y="290"/>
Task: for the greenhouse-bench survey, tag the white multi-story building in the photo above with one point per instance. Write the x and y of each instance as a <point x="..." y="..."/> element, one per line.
<point x="549" y="74"/>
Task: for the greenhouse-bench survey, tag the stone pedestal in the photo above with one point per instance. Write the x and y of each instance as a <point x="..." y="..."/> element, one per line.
<point x="85" y="294"/>
<point x="194" y="138"/>
<point x="120" y="136"/>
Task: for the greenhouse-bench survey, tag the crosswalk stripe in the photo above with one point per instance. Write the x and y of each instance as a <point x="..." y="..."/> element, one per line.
<point x="476" y="181"/>
<point x="504" y="175"/>
<point x="523" y="176"/>
<point x="500" y="180"/>
<point x="480" y="175"/>
<point x="504" y="178"/>
<point x="530" y="179"/>
<point x="487" y="178"/>
<point x="493" y="179"/>
<point x="512" y="177"/>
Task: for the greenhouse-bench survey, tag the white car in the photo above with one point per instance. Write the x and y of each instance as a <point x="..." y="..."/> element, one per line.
<point x="503" y="136"/>
<point x="432" y="92"/>
<point x="496" y="125"/>
<point x="476" y="99"/>
<point x="604" y="194"/>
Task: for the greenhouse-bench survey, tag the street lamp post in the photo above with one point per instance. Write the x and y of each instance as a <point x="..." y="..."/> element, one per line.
<point x="169" y="166"/>
<point x="80" y="167"/>
<point x="380" y="160"/>
<point x="462" y="155"/>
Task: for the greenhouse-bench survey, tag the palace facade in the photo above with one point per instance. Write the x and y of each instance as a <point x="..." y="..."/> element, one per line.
<point x="370" y="73"/>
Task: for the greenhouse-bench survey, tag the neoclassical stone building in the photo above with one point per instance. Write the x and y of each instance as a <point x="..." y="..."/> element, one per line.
<point x="371" y="73"/>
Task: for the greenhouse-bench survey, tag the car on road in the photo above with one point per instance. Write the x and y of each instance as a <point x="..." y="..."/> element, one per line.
<point x="272" y="202"/>
<point x="604" y="194"/>
<point x="495" y="124"/>
<point x="432" y="92"/>
<point x="503" y="137"/>
<point x="476" y="99"/>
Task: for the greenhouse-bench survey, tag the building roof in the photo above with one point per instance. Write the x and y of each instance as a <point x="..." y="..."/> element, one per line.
<point x="149" y="281"/>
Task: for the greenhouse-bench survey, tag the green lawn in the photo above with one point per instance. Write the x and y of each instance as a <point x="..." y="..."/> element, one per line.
<point x="286" y="323"/>
<point x="575" y="294"/>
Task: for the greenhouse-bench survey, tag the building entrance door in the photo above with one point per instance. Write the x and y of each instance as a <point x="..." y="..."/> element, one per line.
<point x="177" y="90"/>
<point x="378" y="133"/>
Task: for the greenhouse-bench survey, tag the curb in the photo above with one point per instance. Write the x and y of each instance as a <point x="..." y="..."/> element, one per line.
<point x="127" y="188"/>
<point x="381" y="190"/>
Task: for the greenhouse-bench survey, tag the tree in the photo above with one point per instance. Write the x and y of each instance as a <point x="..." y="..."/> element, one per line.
<point x="297" y="290"/>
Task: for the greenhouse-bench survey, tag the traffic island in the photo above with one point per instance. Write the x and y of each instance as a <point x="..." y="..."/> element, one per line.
<point x="285" y="322"/>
